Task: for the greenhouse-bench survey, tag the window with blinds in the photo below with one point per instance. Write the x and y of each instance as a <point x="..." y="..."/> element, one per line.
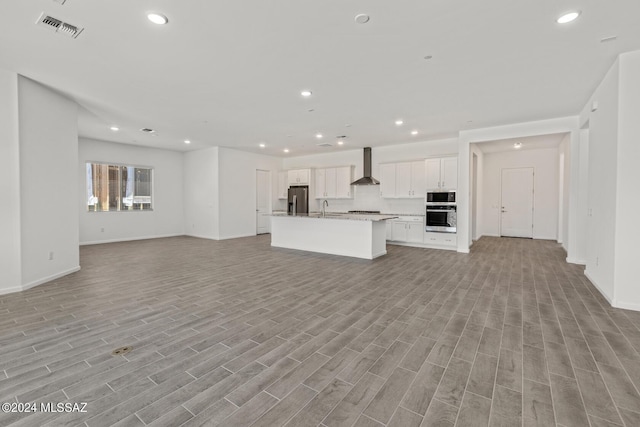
<point x="119" y="188"/>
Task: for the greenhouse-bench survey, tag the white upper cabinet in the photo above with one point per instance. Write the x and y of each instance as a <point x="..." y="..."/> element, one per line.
<point x="442" y="173"/>
<point x="344" y="178"/>
<point x="388" y="180"/>
<point x="334" y="183"/>
<point x="402" y="180"/>
<point x="321" y="189"/>
<point x="282" y="185"/>
<point x="449" y="173"/>
<point x="299" y="176"/>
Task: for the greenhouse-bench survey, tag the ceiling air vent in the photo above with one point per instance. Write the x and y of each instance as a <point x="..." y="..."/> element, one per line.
<point x="325" y="144"/>
<point x="59" y="26"/>
<point x="147" y="130"/>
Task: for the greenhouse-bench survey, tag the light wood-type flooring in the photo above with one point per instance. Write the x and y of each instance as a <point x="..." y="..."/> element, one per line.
<point x="235" y="333"/>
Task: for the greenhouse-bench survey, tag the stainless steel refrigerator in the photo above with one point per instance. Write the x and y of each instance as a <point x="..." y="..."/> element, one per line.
<point x="298" y="199"/>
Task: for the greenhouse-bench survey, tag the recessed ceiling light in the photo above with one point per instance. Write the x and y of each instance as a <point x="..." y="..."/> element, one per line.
<point x="286" y="150"/>
<point x="306" y="93"/>
<point x="568" y="17"/>
<point x="399" y="122"/>
<point x="114" y="128"/>
<point x="362" y="18"/>
<point x="262" y="145"/>
<point x="414" y="132"/>
<point x="157" y="18"/>
<point x="186" y="141"/>
<point x="340" y="142"/>
<point x="517" y="145"/>
<point x="319" y="135"/>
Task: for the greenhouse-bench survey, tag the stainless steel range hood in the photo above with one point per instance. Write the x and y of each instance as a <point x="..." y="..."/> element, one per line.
<point x="367" y="179"/>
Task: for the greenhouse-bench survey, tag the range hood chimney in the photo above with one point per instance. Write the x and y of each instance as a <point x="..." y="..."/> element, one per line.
<point x="367" y="179"/>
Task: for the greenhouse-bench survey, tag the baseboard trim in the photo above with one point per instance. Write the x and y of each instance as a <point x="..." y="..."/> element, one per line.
<point x="595" y="285"/>
<point x="626" y="306"/>
<point x="129" y="239"/>
<point x="202" y="236"/>
<point x="49" y="278"/>
<point x="237" y="236"/>
<point x="12" y="290"/>
<point x="576" y="261"/>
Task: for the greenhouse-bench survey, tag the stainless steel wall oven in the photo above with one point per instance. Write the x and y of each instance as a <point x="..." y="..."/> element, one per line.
<point x="442" y="212"/>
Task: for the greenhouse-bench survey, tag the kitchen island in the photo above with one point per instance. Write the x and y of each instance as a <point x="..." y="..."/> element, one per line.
<point x="354" y="235"/>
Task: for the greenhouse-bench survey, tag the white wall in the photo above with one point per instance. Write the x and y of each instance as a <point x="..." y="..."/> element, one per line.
<point x="565" y="167"/>
<point x="545" y="201"/>
<point x="237" y="190"/>
<point x="603" y="136"/>
<point x="581" y="218"/>
<point x="10" y="259"/>
<point x="367" y="197"/>
<point x="478" y="219"/>
<point x="48" y="161"/>
<point x="200" y="191"/>
<point x="167" y="217"/>
<point x="627" y="234"/>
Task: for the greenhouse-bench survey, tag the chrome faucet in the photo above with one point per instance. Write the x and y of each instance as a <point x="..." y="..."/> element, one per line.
<point x="325" y="203"/>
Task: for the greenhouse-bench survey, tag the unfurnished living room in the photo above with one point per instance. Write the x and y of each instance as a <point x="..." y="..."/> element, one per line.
<point x="319" y="213"/>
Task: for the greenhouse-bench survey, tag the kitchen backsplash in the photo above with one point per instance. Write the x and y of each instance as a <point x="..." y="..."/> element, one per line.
<point x="367" y="198"/>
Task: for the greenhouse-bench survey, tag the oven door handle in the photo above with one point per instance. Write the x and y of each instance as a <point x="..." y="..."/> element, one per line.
<point x="441" y="210"/>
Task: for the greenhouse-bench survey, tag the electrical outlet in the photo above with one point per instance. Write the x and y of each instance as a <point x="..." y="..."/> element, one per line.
<point x="51" y="256"/>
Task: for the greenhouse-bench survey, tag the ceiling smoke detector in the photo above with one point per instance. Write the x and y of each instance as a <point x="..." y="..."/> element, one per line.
<point x="362" y="18"/>
<point x="58" y="26"/>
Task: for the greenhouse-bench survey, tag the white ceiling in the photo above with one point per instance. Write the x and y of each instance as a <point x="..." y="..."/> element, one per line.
<point x="229" y="72"/>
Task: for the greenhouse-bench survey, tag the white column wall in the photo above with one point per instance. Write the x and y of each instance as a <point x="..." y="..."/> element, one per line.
<point x="627" y="233"/>
<point x="48" y="126"/>
<point x="603" y="134"/>
<point x="10" y="259"/>
<point x="201" y="185"/>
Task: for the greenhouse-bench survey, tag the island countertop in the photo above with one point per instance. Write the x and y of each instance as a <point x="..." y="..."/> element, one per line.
<point x="337" y="215"/>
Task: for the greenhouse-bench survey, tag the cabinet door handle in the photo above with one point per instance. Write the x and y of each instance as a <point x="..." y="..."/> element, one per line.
<point x="443" y="184"/>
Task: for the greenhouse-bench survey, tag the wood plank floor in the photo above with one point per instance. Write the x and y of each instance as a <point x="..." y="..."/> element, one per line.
<point x="235" y="333"/>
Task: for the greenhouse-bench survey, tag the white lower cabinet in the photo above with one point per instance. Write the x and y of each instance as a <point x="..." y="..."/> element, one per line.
<point x="441" y="239"/>
<point x="406" y="229"/>
<point x="410" y="231"/>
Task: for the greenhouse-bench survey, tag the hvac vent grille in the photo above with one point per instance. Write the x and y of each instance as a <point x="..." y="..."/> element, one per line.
<point x="325" y="144"/>
<point x="59" y="26"/>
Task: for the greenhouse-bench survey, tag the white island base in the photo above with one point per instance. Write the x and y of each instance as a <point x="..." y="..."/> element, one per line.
<point x="337" y="236"/>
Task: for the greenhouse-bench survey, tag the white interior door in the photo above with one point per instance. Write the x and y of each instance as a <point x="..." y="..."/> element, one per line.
<point x="517" y="203"/>
<point x="263" y="195"/>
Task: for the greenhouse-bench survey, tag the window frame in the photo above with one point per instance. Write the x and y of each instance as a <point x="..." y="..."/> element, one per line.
<point x="88" y="207"/>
